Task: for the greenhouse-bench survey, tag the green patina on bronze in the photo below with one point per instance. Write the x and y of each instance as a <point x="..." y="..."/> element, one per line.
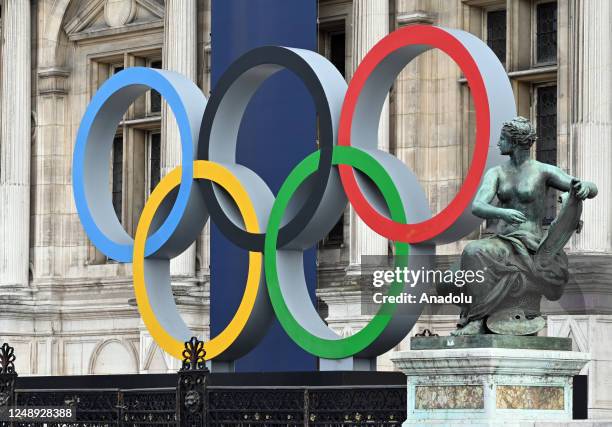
<point x="522" y="262"/>
<point x="491" y="341"/>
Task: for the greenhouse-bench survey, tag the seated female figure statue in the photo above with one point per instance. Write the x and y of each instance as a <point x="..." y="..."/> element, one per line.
<point x="521" y="262"/>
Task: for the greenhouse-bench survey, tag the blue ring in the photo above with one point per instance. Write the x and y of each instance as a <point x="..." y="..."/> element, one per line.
<point x="103" y="116"/>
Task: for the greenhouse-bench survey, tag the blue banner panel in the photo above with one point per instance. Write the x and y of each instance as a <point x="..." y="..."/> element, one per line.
<point x="278" y="130"/>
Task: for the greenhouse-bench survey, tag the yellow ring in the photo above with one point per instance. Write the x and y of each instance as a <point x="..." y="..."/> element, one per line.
<point x="216" y="173"/>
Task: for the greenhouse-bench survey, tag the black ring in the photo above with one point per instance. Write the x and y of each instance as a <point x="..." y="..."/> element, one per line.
<point x="221" y="121"/>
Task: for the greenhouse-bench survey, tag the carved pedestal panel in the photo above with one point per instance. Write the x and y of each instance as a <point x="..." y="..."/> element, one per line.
<point x="489" y="386"/>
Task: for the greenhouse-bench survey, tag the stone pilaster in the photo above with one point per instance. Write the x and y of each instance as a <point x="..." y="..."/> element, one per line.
<point x="204" y="67"/>
<point x="427" y="113"/>
<point x="204" y="251"/>
<point x="591" y="118"/>
<point x="370" y="24"/>
<point x="590" y="157"/>
<point x="15" y="143"/>
<point x="51" y="185"/>
<point x="180" y="55"/>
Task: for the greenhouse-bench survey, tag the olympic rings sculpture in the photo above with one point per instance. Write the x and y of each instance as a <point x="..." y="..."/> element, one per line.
<point x="276" y="230"/>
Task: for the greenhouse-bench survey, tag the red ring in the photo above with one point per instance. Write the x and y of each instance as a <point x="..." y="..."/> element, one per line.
<point x="428" y="229"/>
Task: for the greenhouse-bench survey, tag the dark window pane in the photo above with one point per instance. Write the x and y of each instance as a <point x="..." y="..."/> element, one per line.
<point x="155" y="165"/>
<point x="155" y="101"/>
<point x="546" y="145"/>
<point x="337" y="51"/>
<point x="546" y="33"/>
<point x="117" y="184"/>
<point x="496" y="33"/>
<point x="336" y="235"/>
<point x="117" y="69"/>
<point x="155" y="106"/>
<point x="337" y="56"/>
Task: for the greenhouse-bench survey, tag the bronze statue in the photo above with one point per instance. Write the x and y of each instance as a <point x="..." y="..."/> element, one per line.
<point x="521" y="262"/>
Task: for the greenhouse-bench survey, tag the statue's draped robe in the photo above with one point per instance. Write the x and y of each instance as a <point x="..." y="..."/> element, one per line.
<point x="513" y="275"/>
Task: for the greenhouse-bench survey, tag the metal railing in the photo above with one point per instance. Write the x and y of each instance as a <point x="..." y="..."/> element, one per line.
<point x="195" y="397"/>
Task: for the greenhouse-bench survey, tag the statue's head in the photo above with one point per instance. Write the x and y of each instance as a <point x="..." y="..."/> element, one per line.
<point x="516" y="134"/>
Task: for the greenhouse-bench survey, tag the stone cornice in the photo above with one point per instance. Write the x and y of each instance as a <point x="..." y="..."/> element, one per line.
<point x="86" y="15"/>
<point x="140" y="27"/>
<point x="53" y="81"/>
<point x="490" y="361"/>
<point x="77" y="27"/>
<point x="415" y="17"/>
<point x="484" y="3"/>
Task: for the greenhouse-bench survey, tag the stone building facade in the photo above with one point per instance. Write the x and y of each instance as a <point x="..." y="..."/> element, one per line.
<point x="68" y="310"/>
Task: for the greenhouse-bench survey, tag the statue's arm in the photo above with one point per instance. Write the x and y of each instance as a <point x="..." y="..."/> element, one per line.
<point x="560" y="180"/>
<point x="482" y="207"/>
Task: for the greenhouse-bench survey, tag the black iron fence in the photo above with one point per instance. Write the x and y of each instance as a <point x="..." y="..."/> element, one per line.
<point x="196" y="397"/>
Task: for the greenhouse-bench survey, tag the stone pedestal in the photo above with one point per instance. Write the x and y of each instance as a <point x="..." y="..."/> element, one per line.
<point x="489" y="380"/>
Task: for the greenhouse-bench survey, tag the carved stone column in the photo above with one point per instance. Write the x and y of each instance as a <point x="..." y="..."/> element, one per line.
<point x="180" y="55"/>
<point x="591" y="118"/>
<point x="370" y="24"/>
<point x="427" y="113"/>
<point x="51" y="158"/>
<point x="204" y="67"/>
<point x="590" y="158"/>
<point x="15" y="143"/>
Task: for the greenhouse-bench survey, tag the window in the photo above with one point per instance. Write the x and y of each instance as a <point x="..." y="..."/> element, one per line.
<point x="154" y="96"/>
<point x="117" y="165"/>
<point x="154" y="160"/>
<point x="334" y="48"/>
<point x="117" y="182"/>
<point x="337" y="51"/>
<point x="138" y="137"/>
<point x="546" y="144"/>
<point x="496" y="33"/>
<point x="546" y="33"/>
<point x="134" y="160"/>
<point x="336" y="235"/>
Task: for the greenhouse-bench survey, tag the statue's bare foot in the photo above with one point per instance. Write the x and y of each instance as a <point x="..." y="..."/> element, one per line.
<point x="475" y="327"/>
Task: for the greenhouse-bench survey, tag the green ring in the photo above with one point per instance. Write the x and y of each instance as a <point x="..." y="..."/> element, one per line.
<point x="342" y="347"/>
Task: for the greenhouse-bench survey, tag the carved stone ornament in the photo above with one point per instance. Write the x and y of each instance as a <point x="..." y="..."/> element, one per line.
<point x="119" y="12"/>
